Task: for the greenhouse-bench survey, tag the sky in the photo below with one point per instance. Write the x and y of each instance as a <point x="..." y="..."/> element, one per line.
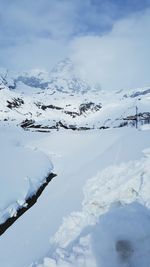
<point x="108" y="40"/>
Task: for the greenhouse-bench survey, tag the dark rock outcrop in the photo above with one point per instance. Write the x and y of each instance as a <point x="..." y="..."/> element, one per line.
<point x="15" y="103"/>
<point x="29" y="203"/>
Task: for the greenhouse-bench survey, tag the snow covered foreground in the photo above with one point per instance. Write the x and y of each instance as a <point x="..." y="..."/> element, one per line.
<point x="102" y="192"/>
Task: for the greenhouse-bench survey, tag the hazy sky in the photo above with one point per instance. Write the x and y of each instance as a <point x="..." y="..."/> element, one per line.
<point x="106" y="38"/>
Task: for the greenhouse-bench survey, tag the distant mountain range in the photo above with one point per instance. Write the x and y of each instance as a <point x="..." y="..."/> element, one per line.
<point x="43" y="101"/>
<point x="63" y="78"/>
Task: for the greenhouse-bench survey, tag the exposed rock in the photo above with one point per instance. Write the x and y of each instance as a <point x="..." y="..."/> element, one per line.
<point x="15" y="103"/>
<point x="140" y="93"/>
<point x="44" y="107"/>
<point x="27" y="123"/>
<point x="73" y="114"/>
<point x="32" y="81"/>
<point x="140" y="118"/>
<point x="89" y="106"/>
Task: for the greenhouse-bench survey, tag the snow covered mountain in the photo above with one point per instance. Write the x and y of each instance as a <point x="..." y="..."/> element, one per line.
<point x="42" y="102"/>
<point x="62" y="78"/>
<point x="96" y="212"/>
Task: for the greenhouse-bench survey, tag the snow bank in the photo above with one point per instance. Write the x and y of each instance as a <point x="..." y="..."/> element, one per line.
<point x="113" y="227"/>
<point x="22" y="172"/>
<point x="123" y="183"/>
<point x="122" y="237"/>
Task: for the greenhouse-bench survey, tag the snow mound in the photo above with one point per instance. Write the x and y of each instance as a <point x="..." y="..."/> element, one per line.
<point x="123" y="183"/>
<point x="113" y="227"/>
<point x="122" y="237"/>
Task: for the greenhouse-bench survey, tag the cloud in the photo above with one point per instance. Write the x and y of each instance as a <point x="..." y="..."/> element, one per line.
<point x="119" y="59"/>
<point x="39" y="32"/>
<point x="34" y="32"/>
<point x="37" y="54"/>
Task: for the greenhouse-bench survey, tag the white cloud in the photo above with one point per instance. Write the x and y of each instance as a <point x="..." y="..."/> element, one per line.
<point x="120" y="59"/>
<point x="38" y="34"/>
<point x="38" y="53"/>
<point x="35" y="33"/>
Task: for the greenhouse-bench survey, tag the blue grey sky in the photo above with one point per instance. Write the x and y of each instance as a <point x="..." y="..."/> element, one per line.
<point x="103" y="38"/>
<point x="38" y="33"/>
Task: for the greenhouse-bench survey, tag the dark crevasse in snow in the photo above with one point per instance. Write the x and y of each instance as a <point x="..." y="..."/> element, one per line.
<point x="29" y="203"/>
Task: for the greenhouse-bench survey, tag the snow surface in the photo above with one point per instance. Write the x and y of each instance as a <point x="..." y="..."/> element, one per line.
<point x="22" y="171"/>
<point x="113" y="227"/>
<point x="88" y="160"/>
<point x="121" y="237"/>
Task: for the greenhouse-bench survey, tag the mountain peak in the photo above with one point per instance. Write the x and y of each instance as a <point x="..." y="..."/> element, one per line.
<point x="63" y="78"/>
<point x="62" y="66"/>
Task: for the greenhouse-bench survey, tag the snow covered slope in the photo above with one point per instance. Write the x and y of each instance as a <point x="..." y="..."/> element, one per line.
<point x="68" y="102"/>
